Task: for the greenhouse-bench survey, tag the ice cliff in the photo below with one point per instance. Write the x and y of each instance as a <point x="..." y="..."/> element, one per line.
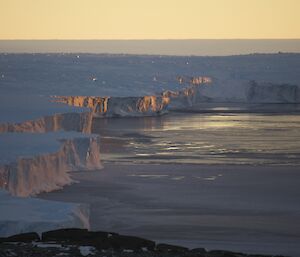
<point x="20" y="215"/>
<point x="194" y="80"/>
<point x="81" y="122"/>
<point x="195" y="90"/>
<point x="145" y="105"/>
<point x="119" y="106"/>
<point x="272" y="93"/>
<point x="187" y="97"/>
<point x="31" y="164"/>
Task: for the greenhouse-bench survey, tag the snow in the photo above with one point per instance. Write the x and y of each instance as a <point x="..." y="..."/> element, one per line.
<point x="18" y="215"/>
<point x="86" y="250"/>
<point x="14" y="145"/>
<point x="47" y="245"/>
<point x="25" y="96"/>
<point x="20" y="108"/>
<point x="31" y="163"/>
<point x="65" y="74"/>
<point x="34" y="163"/>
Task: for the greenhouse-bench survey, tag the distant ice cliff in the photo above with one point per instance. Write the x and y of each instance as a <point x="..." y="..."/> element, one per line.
<point x="272" y="93"/>
<point x="195" y="90"/>
<point x="119" y="106"/>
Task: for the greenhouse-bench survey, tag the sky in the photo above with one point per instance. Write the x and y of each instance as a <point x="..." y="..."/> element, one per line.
<point x="149" y="19"/>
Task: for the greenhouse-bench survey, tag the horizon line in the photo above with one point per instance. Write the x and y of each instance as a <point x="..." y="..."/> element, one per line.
<point x="137" y="39"/>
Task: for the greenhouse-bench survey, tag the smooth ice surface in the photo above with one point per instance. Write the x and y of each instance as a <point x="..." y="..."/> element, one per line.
<point x="16" y="107"/>
<point x="164" y="47"/>
<point x="204" y="138"/>
<point x="131" y="75"/>
<point x="252" y="209"/>
<point x="244" y="208"/>
<point x="24" y="145"/>
<point x="20" y="215"/>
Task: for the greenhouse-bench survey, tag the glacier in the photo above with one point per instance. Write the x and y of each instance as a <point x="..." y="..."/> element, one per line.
<point x="192" y="95"/>
<point x="272" y="93"/>
<point x="37" y="156"/>
<point x="119" y="106"/>
<point x="35" y="163"/>
<point x="80" y="122"/>
<point x="20" y="215"/>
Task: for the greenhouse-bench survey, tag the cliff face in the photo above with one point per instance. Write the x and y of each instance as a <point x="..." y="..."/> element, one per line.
<point x="47" y="172"/>
<point x="194" y="80"/>
<point x="187" y="97"/>
<point x="19" y="215"/>
<point x="95" y="103"/>
<point x="119" y="106"/>
<point x="272" y="93"/>
<point x="81" y="122"/>
<point x="142" y="106"/>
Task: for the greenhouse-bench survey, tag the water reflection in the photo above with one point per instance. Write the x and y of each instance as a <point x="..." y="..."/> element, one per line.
<point x="203" y="139"/>
<point x="245" y="138"/>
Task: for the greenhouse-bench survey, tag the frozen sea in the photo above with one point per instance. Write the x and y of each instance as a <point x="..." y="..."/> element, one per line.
<point x="218" y="138"/>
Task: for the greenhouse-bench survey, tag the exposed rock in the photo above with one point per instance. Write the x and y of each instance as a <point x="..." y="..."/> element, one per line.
<point x="198" y="250"/>
<point x="81" y="242"/>
<point x="24" y="238"/>
<point x="65" y="235"/>
<point x="101" y="240"/>
<point x="171" y="248"/>
<point x="79" y="236"/>
<point x="220" y="253"/>
<point x="130" y="242"/>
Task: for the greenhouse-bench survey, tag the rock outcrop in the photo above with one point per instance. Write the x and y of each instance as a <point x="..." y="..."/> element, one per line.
<point x="81" y="242"/>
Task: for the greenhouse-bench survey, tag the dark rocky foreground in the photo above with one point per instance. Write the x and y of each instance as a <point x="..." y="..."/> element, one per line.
<point x="81" y="242"/>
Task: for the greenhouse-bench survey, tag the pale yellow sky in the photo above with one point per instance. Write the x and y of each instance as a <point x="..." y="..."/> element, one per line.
<point x="149" y="19"/>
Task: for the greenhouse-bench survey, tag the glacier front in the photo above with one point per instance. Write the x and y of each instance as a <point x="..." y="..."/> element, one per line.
<point x="20" y="215"/>
<point x="35" y="163"/>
